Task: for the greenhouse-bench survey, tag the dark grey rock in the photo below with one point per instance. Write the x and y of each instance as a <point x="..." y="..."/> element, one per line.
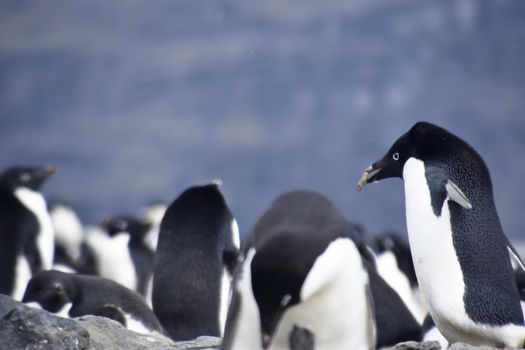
<point x="412" y="345"/>
<point x="23" y="327"/>
<point x="26" y="328"/>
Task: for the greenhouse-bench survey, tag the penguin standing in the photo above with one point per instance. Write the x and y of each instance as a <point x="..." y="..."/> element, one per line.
<point x="394" y="263"/>
<point x="142" y="256"/>
<point x="300" y="270"/>
<point x="69" y="235"/>
<point x="25" y="227"/>
<point x="77" y="295"/>
<point x="197" y="246"/>
<point x="110" y="256"/>
<point x="460" y="253"/>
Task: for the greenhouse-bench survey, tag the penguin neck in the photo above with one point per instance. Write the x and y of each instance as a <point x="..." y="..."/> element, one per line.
<point x="35" y="202"/>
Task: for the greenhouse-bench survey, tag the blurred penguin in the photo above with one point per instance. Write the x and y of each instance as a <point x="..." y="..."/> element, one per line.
<point x="76" y="295"/>
<point x="25" y="227"/>
<point x="300" y="271"/>
<point x="198" y="245"/>
<point x="142" y="256"/>
<point x="69" y="235"/>
<point x="153" y="214"/>
<point x="394" y="263"/>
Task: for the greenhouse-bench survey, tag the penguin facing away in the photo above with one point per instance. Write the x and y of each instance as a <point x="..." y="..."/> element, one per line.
<point x="459" y="249"/>
<point x="300" y="270"/>
<point x="197" y="247"/>
<point x="77" y="295"/>
<point x="25" y="227"/>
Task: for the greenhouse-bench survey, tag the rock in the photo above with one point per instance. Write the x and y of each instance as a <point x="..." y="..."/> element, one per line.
<point x="463" y="346"/>
<point x="22" y="327"/>
<point x="412" y="345"/>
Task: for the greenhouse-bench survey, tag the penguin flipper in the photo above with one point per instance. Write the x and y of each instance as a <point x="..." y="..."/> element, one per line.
<point x="515" y="256"/>
<point x="456" y="194"/>
<point x="372" y="329"/>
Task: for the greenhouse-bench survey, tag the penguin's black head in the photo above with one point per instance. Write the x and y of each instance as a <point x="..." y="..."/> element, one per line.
<point x="136" y="227"/>
<point x="279" y="269"/>
<point x="422" y="141"/>
<point x="31" y="177"/>
<point x="49" y="289"/>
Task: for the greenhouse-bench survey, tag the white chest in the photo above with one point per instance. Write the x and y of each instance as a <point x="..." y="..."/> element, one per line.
<point x="437" y="267"/>
<point x="337" y="313"/>
<point x="35" y="202"/>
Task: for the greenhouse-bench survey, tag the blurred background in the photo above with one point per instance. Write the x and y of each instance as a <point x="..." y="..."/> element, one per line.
<point x="136" y="100"/>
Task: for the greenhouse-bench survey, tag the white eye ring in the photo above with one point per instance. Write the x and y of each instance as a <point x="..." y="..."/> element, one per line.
<point x="395" y="156"/>
<point x="24" y="177"/>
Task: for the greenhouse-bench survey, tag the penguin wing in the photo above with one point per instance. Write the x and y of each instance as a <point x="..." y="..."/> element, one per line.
<point x="456" y="194"/>
<point x="372" y="331"/>
<point x="515" y="256"/>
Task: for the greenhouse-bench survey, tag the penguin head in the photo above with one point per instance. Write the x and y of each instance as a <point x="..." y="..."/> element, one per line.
<point x="282" y="276"/>
<point x="276" y="283"/>
<point x="51" y="289"/>
<point x="135" y="227"/>
<point x="31" y="177"/>
<point x="423" y="141"/>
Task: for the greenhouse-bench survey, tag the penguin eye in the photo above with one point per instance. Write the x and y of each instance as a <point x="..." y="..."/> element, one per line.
<point x="24" y="177"/>
<point x="395" y="156"/>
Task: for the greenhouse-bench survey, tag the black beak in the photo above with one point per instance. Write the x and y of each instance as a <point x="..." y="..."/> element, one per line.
<point x="269" y="325"/>
<point x="266" y="340"/>
<point x="375" y="171"/>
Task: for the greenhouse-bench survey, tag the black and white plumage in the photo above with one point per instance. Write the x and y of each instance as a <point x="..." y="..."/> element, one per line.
<point x="25" y="227"/>
<point x="300" y="270"/>
<point x="69" y="235"/>
<point x="77" y="295"/>
<point x="197" y="246"/>
<point x="460" y="252"/>
<point x="140" y="253"/>
<point x="394" y="263"/>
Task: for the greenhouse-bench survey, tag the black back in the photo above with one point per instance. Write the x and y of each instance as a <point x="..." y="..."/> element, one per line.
<point x="477" y="234"/>
<point x="89" y="295"/>
<point x="194" y="234"/>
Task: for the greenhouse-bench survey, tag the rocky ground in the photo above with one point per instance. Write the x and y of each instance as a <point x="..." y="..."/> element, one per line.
<point x="22" y="327"/>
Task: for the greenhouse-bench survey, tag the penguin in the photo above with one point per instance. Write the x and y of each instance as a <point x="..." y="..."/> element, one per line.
<point x="460" y="252"/>
<point x="153" y="214"/>
<point x="76" y="295"/>
<point x="25" y="227"/>
<point x="69" y="235"/>
<point x="196" y="252"/>
<point x="394" y="263"/>
<point x="141" y="254"/>
<point x="300" y="269"/>
<point x="110" y="256"/>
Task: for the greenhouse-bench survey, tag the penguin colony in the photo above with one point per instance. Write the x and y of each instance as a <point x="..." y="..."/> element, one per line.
<point x="305" y="276"/>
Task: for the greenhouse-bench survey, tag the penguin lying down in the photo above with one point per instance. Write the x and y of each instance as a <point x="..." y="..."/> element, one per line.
<point x="76" y="295"/>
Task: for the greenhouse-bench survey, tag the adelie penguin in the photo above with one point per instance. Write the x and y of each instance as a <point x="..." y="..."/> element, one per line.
<point x="76" y="295"/>
<point x="196" y="252"/>
<point x="461" y="255"/>
<point x="300" y="271"/>
<point x="140" y="256"/>
<point x="25" y="227"/>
